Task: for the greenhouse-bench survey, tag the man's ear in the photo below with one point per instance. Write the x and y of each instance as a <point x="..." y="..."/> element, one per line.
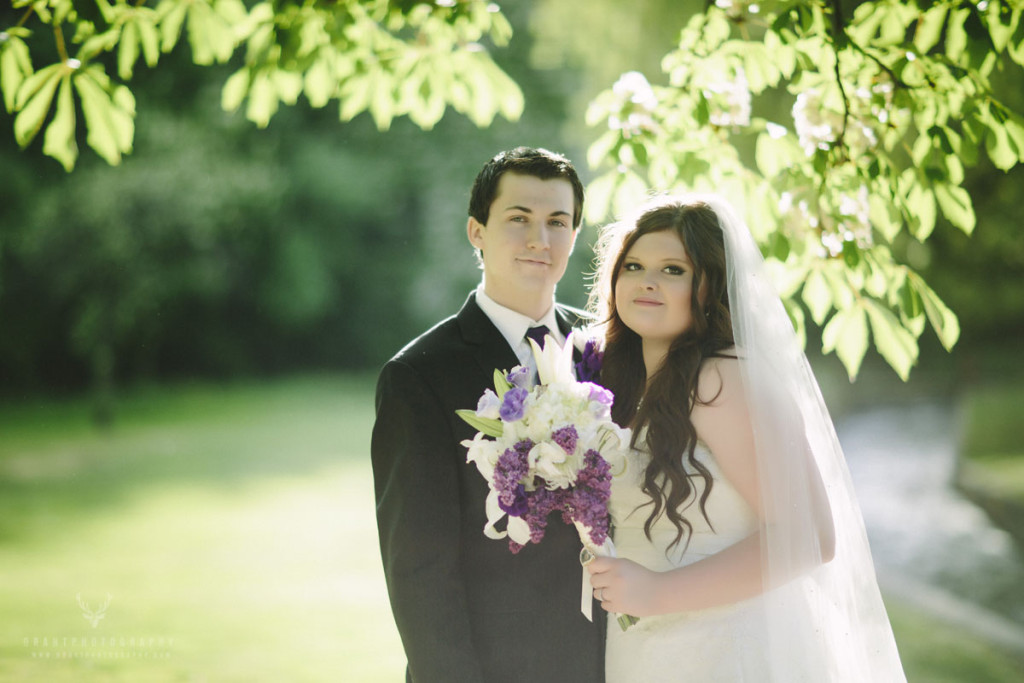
<point x="474" y="230"/>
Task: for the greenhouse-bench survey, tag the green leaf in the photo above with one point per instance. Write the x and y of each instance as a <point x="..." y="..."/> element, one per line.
<point x="59" y="141"/>
<point x="955" y="204"/>
<point x="128" y="50"/>
<point x="149" y="38"/>
<point x="851" y="254"/>
<point x="893" y="342"/>
<point x="942" y="320"/>
<point x="501" y="383"/>
<point x="1000" y="32"/>
<point x="382" y="102"/>
<point x="1001" y="149"/>
<point x="956" y="36"/>
<point x="783" y="55"/>
<point x="235" y="90"/>
<point x="921" y="205"/>
<point x="511" y="101"/>
<point x="288" y="85"/>
<point x="602" y="149"/>
<point x="108" y="115"/>
<point x="172" y="13"/>
<point x="630" y="192"/>
<point x="31" y="85"/>
<point x="910" y="300"/>
<point x="847" y="335"/>
<point x="884" y="217"/>
<point x="262" y="99"/>
<point x="489" y="426"/>
<point x="929" y="28"/>
<point x="817" y="295"/>
<point x="1015" y="132"/>
<point x="354" y="96"/>
<point x="40" y="87"/>
<point x="15" y="67"/>
<point x="319" y="83"/>
<point x="775" y="154"/>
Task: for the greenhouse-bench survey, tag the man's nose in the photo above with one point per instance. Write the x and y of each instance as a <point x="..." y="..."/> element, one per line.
<point x="537" y="237"/>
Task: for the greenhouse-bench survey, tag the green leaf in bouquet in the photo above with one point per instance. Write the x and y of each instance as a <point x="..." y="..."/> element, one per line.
<point x="501" y="384"/>
<point x="487" y="425"/>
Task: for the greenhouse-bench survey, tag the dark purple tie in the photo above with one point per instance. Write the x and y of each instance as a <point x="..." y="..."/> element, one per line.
<point x="537" y="334"/>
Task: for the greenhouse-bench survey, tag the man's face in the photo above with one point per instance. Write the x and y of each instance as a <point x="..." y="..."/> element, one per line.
<point x="526" y="242"/>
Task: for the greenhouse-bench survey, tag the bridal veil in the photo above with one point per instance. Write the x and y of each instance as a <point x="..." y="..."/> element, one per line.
<point x="825" y="618"/>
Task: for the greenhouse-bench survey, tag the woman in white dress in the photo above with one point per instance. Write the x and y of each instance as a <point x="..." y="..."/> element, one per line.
<point x="741" y="548"/>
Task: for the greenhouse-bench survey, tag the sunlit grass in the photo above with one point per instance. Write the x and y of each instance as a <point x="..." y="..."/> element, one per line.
<point x="237" y="542"/>
<point x="233" y="528"/>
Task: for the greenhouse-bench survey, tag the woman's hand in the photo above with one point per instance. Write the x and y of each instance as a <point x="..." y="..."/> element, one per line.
<point x="625" y="587"/>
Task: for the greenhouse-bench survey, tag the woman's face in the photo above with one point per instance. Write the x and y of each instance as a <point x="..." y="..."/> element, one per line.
<point x="654" y="289"/>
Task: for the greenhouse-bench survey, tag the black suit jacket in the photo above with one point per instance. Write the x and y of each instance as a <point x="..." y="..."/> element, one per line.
<point x="468" y="609"/>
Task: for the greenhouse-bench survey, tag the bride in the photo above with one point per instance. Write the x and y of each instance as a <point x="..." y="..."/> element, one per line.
<point x="741" y="547"/>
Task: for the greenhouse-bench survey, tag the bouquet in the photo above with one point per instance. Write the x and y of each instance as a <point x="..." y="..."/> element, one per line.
<point x="546" y="448"/>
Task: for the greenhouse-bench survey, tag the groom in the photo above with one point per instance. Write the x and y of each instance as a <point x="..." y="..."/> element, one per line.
<point x="468" y="609"/>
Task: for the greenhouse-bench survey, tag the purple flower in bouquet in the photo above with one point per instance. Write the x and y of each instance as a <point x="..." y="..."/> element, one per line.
<point x="519" y="376"/>
<point x="512" y="405"/>
<point x="511" y="468"/>
<point x="566" y="437"/>
<point x="588" y="369"/>
<point x="588" y="504"/>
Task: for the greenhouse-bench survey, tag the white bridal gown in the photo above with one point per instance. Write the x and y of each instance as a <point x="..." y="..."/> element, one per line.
<point x="727" y="643"/>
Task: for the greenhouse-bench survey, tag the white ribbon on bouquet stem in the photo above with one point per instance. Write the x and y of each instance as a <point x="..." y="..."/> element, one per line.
<point x="606" y="549"/>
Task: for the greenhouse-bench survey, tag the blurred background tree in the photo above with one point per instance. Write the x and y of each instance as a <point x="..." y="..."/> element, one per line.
<point x="218" y="250"/>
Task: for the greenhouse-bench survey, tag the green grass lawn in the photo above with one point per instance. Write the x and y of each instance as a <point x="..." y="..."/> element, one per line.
<point x="232" y="528"/>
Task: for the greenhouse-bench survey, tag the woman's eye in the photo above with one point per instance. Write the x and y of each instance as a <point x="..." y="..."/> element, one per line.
<point x="631" y="266"/>
<point x="674" y="270"/>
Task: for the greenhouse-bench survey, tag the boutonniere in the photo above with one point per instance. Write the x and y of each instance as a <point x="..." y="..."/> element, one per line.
<point x="588" y="368"/>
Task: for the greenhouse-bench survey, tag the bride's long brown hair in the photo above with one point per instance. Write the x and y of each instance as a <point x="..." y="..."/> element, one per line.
<point x="663" y="407"/>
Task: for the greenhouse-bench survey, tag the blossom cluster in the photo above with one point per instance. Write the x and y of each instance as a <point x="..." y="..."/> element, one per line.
<point x="546" y="448"/>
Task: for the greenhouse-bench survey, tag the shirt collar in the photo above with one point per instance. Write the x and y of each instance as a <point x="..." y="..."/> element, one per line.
<point x="513" y="325"/>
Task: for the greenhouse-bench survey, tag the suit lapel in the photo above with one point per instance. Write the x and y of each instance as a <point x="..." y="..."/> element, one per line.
<point x="488" y="347"/>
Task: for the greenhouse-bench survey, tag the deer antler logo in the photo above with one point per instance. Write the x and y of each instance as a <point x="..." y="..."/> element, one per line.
<point x="93" y="616"/>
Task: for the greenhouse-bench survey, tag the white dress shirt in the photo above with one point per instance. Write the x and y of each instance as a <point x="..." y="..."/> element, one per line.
<point x="513" y="326"/>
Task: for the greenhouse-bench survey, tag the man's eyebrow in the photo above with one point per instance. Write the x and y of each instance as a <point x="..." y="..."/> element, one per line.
<point x="526" y="209"/>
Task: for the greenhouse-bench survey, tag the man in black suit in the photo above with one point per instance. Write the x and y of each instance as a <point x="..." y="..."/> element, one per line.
<point x="467" y="608"/>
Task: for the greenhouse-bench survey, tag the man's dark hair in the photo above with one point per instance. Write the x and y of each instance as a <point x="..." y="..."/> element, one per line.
<point x="528" y="161"/>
